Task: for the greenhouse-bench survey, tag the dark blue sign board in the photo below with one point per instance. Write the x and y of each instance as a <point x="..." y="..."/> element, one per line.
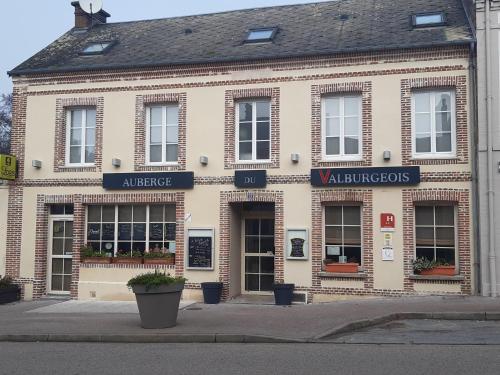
<point x="385" y="176"/>
<point x="145" y="181"/>
<point x="250" y="179"/>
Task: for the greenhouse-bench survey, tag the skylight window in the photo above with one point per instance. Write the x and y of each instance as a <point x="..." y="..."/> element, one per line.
<point x="261" y="35"/>
<point x="428" y="19"/>
<point x="96" y="48"/>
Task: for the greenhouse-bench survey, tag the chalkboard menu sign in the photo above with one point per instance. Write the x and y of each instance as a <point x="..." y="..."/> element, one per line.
<point x="200" y="252"/>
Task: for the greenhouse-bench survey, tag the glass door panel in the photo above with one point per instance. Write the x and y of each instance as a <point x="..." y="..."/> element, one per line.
<point x="259" y="255"/>
<point x="61" y="253"/>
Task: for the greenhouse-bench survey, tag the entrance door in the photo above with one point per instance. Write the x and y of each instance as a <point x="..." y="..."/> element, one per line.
<point x="259" y="255"/>
<point x="60" y="255"/>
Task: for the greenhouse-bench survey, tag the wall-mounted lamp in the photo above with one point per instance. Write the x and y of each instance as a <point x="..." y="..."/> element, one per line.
<point x="36" y="164"/>
<point x="295" y="158"/>
<point x="115" y="162"/>
<point x="387" y="155"/>
<point x="203" y="160"/>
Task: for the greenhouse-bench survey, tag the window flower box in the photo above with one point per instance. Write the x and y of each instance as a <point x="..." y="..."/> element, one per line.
<point x="162" y="260"/>
<point x="127" y="260"/>
<point x="341" y="267"/>
<point x="97" y="260"/>
<point x="439" y="271"/>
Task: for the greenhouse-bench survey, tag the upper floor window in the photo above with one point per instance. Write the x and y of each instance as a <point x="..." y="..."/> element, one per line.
<point x="433" y="119"/>
<point x="80" y="150"/>
<point x="261" y="35"/>
<point x="162" y="134"/>
<point x="428" y="19"/>
<point x="253" y="133"/>
<point x="341" y="127"/>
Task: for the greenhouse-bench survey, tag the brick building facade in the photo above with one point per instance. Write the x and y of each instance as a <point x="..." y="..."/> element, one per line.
<point x="373" y="114"/>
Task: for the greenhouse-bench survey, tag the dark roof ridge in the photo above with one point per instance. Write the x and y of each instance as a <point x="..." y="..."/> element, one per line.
<point x="314" y="3"/>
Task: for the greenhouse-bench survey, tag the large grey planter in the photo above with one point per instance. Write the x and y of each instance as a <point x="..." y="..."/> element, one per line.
<point x="158" y="307"/>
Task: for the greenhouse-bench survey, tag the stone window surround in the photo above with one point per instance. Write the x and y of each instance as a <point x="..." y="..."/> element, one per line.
<point x="317" y="93"/>
<point x="461" y="200"/>
<point x="142" y="101"/>
<point x="459" y="85"/>
<point x="80" y="201"/>
<point x="62" y="106"/>
<point x="322" y="198"/>
<point x="231" y="97"/>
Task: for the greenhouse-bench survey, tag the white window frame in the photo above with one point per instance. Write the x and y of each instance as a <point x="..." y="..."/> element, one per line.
<point x="254" y="159"/>
<point x="341" y="204"/>
<point x="147" y="241"/>
<point x="342" y="156"/>
<point x="433" y="154"/>
<point x="84" y="110"/>
<point x="164" y="126"/>
<point x="455" y="226"/>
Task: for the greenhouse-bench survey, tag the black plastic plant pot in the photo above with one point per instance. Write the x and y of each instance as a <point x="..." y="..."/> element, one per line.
<point x="212" y="292"/>
<point x="10" y="294"/>
<point x="158" y="306"/>
<point x="283" y="293"/>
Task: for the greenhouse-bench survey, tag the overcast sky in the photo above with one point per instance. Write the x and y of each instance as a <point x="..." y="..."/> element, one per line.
<point x="27" y="26"/>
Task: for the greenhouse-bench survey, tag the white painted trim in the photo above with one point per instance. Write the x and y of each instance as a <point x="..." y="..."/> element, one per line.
<point x="164" y="141"/>
<point x="434" y="154"/>
<point x="52" y="218"/>
<point x="254" y="159"/>
<point x="83" y="142"/>
<point x="342" y="156"/>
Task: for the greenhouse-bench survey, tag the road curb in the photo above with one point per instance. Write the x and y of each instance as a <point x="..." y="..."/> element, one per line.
<point x="162" y="338"/>
<point x="366" y="323"/>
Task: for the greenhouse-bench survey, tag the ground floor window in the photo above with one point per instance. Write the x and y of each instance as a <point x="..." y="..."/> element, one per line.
<point x="435" y="233"/>
<point x="125" y="228"/>
<point x="343" y="234"/>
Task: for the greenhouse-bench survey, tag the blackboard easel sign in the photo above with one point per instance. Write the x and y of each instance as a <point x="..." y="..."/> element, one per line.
<point x="200" y="249"/>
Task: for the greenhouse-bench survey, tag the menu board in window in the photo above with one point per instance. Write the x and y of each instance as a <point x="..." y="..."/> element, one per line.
<point x="200" y="249"/>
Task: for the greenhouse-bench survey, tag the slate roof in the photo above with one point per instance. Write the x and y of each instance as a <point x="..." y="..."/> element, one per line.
<point x="304" y="30"/>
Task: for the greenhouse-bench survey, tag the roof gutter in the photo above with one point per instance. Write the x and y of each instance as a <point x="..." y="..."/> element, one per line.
<point x="16" y="72"/>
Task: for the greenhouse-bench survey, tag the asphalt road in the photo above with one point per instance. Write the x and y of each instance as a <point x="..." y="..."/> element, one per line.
<point x="425" y="331"/>
<point x="255" y="359"/>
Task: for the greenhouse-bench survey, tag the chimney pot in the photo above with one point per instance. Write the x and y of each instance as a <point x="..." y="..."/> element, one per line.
<point x="84" y="20"/>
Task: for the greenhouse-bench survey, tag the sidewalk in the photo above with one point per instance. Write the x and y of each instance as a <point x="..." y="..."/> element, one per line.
<point x="48" y="320"/>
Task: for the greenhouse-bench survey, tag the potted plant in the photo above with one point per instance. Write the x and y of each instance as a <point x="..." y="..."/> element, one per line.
<point x="128" y="257"/>
<point x="426" y="267"/>
<point x="348" y="267"/>
<point x="283" y="293"/>
<point x="9" y="292"/>
<point x="158" y="296"/>
<point x="212" y="292"/>
<point x="159" y="258"/>
<point x="89" y="255"/>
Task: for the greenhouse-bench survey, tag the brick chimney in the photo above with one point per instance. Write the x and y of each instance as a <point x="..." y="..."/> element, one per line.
<point x="84" y="20"/>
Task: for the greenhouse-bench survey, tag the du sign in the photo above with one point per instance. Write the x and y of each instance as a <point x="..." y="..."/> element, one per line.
<point x="330" y="177"/>
<point x="157" y="180"/>
<point x="250" y="179"/>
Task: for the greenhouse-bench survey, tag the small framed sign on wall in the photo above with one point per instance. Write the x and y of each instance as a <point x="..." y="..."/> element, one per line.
<point x="297" y="244"/>
<point x="200" y="249"/>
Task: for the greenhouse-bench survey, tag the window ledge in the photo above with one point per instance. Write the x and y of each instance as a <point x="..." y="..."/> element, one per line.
<point x="437" y="277"/>
<point x="342" y="275"/>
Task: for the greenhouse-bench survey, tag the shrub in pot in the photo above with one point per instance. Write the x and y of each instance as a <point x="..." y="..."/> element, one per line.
<point x="158" y="296"/>
<point x="89" y="255"/>
<point x="9" y="292"/>
<point x="424" y="266"/>
<point x="283" y="293"/>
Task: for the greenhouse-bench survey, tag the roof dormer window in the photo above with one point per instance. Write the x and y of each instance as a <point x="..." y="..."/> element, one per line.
<point x="261" y="35"/>
<point x="428" y="19"/>
<point x="96" y="48"/>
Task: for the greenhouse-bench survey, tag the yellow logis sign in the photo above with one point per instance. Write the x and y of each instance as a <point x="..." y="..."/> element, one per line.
<point x="7" y="167"/>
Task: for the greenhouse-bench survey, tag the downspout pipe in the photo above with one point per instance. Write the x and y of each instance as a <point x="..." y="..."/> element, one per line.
<point x="489" y="140"/>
